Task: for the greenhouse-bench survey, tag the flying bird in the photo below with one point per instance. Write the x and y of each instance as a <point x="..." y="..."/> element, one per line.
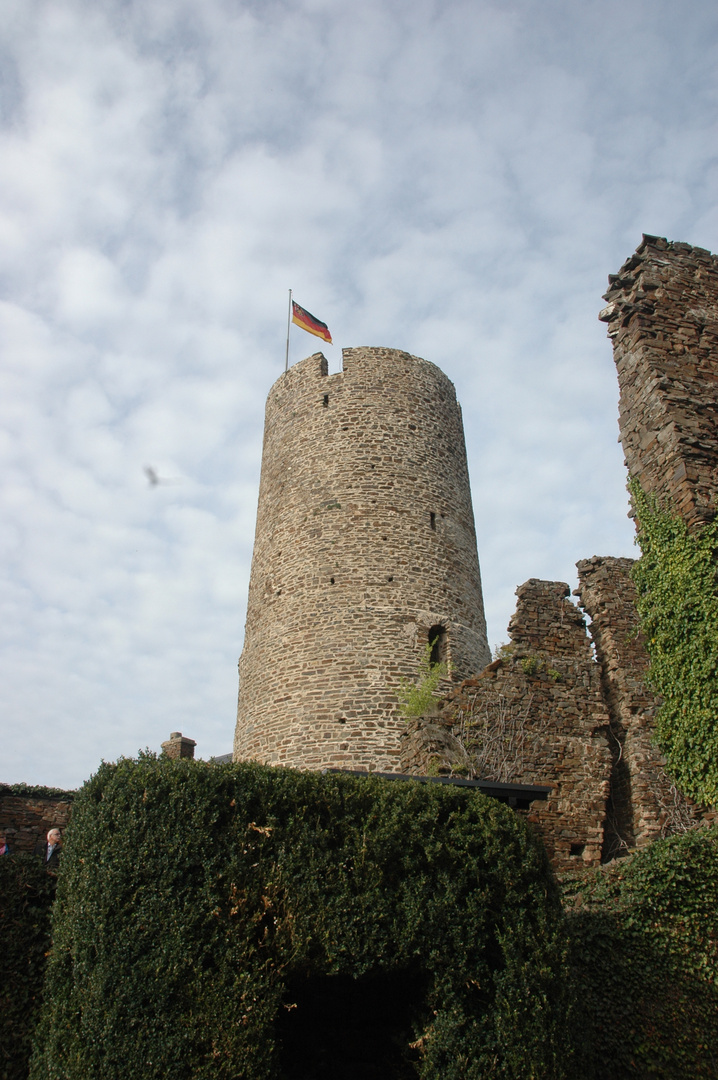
<point x="154" y="478"/>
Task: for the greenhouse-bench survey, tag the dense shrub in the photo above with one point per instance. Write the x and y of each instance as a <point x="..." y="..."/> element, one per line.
<point x="677" y="582"/>
<point x="26" y="895"/>
<point x="644" y="947"/>
<point x="195" y="898"/>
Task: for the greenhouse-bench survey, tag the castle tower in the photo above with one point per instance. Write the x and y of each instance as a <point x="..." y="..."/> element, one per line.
<point x="364" y="551"/>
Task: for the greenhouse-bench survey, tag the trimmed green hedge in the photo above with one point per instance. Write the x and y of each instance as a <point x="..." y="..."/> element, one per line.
<point x="677" y="582"/>
<point x="196" y="901"/>
<point x="644" y="946"/>
<point x="26" y="895"/>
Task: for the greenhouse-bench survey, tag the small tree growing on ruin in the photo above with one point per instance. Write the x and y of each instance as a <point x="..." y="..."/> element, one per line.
<point x="419" y="698"/>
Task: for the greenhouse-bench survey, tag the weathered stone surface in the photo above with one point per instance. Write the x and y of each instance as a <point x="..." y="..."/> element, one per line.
<point x="28" y="819"/>
<point x="365" y="542"/>
<point x="643" y="803"/>
<point x="662" y="316"/>
<point x="547" y="711"/>
<point x="428" y="746"/>
<point x="535" y="715"/>
<point x="178" y="746"/>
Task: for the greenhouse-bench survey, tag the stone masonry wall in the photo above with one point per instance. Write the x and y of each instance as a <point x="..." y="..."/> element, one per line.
<point x="643" y="803"/>
<point x="26" y="819"/>
<point x="535" y="715"/>
<point x="662" y="316"/>
<point x="365" y="541"/>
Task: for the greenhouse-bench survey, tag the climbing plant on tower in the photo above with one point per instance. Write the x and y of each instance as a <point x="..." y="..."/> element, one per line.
<point x="677" y="583"/>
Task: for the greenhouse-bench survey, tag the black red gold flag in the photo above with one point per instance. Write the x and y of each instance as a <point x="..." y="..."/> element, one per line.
<point x="309" y="323"/>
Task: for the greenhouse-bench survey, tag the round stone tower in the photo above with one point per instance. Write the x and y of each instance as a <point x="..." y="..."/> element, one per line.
<point x="365" y="550"/>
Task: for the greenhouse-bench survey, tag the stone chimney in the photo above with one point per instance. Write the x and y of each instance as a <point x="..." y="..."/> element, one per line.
<point x="178" y="746"/>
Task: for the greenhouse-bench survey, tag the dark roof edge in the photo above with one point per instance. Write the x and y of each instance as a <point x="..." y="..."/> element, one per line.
<point x="514" y="794"/>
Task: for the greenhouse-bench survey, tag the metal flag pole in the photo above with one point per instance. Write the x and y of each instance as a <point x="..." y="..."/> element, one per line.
<point x="289" y="323"/>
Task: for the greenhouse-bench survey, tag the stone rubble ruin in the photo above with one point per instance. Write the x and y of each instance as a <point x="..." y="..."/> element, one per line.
<point x="365" y="552"/>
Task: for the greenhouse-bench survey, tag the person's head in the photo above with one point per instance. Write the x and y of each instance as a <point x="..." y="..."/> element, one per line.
<point x="54" y="836"/>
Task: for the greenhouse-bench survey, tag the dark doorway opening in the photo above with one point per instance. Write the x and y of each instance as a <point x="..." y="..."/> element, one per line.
<point x="618" y="835"/>
<point x="335" y="1027"/>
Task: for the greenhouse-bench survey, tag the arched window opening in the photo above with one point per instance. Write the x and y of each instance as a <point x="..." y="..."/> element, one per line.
<point x="437" y="640"/>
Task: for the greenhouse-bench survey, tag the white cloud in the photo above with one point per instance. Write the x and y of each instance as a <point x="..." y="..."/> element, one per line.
<point x="454" y="179"/>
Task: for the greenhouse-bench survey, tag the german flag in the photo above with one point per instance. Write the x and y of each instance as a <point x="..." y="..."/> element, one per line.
<point x="309" y="323"/>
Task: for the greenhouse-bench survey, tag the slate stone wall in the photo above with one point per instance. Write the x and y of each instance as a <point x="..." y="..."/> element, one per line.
<point x="365" y="541"/>
<point x="26" y="819"/>
<point x="547" y="711"/>
<point x="535" y="715"/>
<point x="643" y="803"/>
<point x="662" y="315"/>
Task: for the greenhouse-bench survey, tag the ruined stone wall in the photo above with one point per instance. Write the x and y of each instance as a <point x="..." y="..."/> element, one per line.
<point x="643" y="803"/>
<point x="535" y="715"/>
<point x="365" y="541"/>
<point x="26" y="819"/>
<point x="662" y="316"/>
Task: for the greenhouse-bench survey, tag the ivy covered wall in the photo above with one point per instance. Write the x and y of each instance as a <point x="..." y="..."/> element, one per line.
<point x="200" y="905"/>
<point x="677" y="583"/>
<point x="644" y="952"/>
<point x="26" y="895"/>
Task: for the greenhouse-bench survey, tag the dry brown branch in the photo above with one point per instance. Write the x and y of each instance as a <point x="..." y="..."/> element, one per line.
<point x="493" y="735"/>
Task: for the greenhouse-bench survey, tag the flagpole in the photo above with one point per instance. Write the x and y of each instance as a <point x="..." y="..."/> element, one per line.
<point x="289" y="323"/>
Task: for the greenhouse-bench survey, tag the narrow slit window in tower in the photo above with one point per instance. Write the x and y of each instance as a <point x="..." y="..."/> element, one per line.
<point x="326" y="400"/>
<point x="432" y="520"/>
<point x="437" y="640"/>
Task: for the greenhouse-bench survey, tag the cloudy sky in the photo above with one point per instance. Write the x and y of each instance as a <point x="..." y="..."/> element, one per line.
<point x="451" y="177"/>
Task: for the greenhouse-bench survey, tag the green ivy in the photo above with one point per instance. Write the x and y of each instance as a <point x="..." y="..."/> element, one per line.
<point x="677" y="582"/>
<point x="26" y="895"/>
<point x="194" y="898"/>
<point x="644" y="948"/>
<point x="31" y="791"/>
